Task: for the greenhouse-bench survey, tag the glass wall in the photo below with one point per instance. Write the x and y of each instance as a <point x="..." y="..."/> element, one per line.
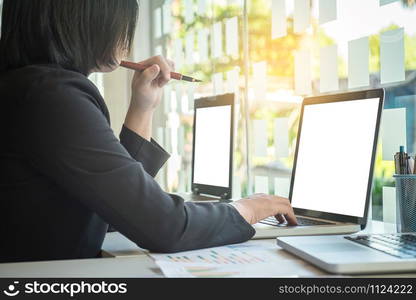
<point x="272" y="53"/>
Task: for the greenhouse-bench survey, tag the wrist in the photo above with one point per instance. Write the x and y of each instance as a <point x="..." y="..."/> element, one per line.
<point x="140" y="122"/>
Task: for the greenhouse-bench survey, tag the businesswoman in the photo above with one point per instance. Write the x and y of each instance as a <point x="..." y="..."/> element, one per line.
<point x="64" y="174"/>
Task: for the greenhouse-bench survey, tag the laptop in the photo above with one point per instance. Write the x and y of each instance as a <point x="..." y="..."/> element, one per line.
<point x="333" y="166"/>
<point x="356" y="254"/>
<point x="212" y="152"/>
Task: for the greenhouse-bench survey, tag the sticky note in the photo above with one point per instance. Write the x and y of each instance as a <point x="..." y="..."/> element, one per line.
<point x="389" y="204"/>
<point x="385" y="2"/>
<point x="189" y="47"/>
<point x="189" y="11"/>
<point x="203" y="44"/>
<point x="329" y="69"/>
<point x="260" y="81"/>
<point x="358" y="63"/>
<point x="231" y="36"/>
<point x="301" y="15"/>
<point x="167" y="17"/>
<point x="260" y="137"/>
<point x="181" y="139"/>
<point x="392" y="56"/>
<point x="261" y="185"/>
<point x="179" y="55"/>
<point x="327" y="11"/>
<point x="282" y="187"/>
<point x="218" y="83"/>
<point x="279" y="25"/>
<point x="157" y="25"/>
<point x="216" y="40"/>
<point x="303" y="82"/>
<point x="281" y="137"/>
<point x="202" y="7"/>
<point x="233" y="80"/>
<point x="393" y="131"/>
<point x="236" y="187"/>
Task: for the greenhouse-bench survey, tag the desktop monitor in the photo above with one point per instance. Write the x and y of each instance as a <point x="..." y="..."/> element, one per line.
<point x="212" y="152"/>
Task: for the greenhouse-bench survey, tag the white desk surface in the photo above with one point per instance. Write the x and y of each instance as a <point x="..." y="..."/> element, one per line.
<point x="125" y="259"/>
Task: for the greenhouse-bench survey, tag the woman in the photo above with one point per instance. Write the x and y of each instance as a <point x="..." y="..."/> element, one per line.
<point x="64" y="175"/>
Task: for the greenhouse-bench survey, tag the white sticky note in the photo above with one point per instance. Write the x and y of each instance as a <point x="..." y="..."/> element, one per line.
<point x="282" y="187"/>
<point x="389" y="204"/>
<point x="189" y="47"/>
<point x="260" y="80"/>
<point x="157" y="22"/>
<point x="189" y="11"/>
<point x="202" y="7"/>
<point x="179" y="55"/>
<point x="216" y="40"/>
<point x="279" y="25"/>
<point x="385" y="2"/>
<point x="329" y="69"/>
<point x="203" y="44"/>
<point x="167" y="17"/>
<point x="327" y="11"/>
<point x="191" y="97"/>
<point x="218" y="83"/>
<point x="231" y="36"/>
<point x="358" y="63"/>
<point x="392" y="56"/>
<point x="260" y="137"/>
<point x="393" y="132"/>
<point x="302" y="15"/>
<point x="236" y="187"/>
<point x="261" y="185"/>
<point x="303" y="81"/>
<point x="281" y="137"/>
<point x="233" y="80"/>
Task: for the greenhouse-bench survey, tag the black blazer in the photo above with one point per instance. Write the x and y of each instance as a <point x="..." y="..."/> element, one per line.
<point x="64" y="177"/>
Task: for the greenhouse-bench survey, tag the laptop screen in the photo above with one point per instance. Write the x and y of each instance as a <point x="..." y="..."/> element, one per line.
<point x="212" y="145"/>
<point x="334" y="156"/>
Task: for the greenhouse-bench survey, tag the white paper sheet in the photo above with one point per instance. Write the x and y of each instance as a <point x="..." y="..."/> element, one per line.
<point x="261" y="185"/>
<point x="358" y="63"/>
<point x="157" y="22"/>
<point x="303" y="82"/>
<point x="189" y="11"/>
<point x="329" y="69"/>
<point x="281" y="137"/>
<point x="393" y="132"/>
<point x="327" y="11"/>
<point x="282" y="187"/>
<point x="260" y="137"/>
<point x="389" y="204"/>
<point x="203" y="44"/>
<point x="216" y="40"/>
<point x="260" y="81"/>
<point x="167" y="17"/>
<point x="392" y="56"/>
<point x="218" y="83"/>
<point x="189" y="47"/>
<point x="302" y="15"/>
<point x="279" y="25"/>
<point x="231" y="36"/>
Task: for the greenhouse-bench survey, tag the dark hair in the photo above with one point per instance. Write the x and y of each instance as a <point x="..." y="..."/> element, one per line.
<point x="80" y="35"/>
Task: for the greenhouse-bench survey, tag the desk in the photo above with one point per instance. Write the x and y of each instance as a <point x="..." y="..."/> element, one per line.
<point x="124" y="259"/>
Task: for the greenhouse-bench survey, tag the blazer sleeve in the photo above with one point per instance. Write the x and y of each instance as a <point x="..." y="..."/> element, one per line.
<point x="150" y="154"/>
<point x="67" y="138"/>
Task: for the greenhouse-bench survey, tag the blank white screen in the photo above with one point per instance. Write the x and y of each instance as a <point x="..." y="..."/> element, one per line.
<point x="334" y="157"/>
<point x="212" y="145"/>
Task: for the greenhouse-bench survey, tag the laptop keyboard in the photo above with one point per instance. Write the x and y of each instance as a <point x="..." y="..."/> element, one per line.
<point x="398" y="245"/>
<point x="301" y="222"/>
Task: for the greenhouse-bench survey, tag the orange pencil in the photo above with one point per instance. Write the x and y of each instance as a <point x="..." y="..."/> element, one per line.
<point x="141" y="67"/>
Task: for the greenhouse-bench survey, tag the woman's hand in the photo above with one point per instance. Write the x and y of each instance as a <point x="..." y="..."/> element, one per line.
<point x="260" y="206"/>
<point x="147" y="89"/>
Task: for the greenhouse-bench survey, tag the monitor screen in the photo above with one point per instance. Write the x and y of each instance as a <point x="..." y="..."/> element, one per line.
<point x="212" y="145"/>
<point x="334" y="156"/>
